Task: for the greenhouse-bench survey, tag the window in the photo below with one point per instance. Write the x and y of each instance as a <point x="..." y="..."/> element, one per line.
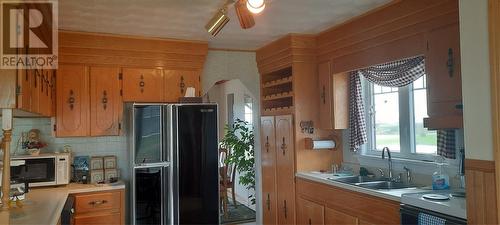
<point x="248" y="110"/>
<point x="395" y="120"/>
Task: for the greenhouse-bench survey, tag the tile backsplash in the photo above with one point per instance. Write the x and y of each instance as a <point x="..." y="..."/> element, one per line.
<point x="92" y="146"/>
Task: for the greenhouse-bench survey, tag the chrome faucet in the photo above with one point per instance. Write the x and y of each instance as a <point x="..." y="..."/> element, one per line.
<point x="390" y="160"/>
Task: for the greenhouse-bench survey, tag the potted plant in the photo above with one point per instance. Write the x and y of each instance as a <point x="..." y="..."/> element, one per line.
<point x="239" y="140"/>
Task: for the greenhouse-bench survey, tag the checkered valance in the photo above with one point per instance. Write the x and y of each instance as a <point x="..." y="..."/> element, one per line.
<point x="393" y="74"/>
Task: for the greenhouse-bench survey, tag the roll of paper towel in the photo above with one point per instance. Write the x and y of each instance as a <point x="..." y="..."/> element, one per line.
<point x="190" y="92"/>
<point x="324" y="144"/>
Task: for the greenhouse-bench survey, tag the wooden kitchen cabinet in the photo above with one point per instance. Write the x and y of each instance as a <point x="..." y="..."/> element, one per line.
<point x="177" y="81"/>
<point x="309" y="212"/>
<point x="88" y="101"/>
<point x="24" y="81"/>
<point x="105" y="101"/>
<point x="143" y="85"/>
<point x="444" y="85"/>
<point x="106" y="207"/>
<point x="285" y="169"/>
<point x="334" y="98"/>
<point x="268" y="162"/>
<point x="334" y="217"/>
<point x="278" y="169"/>
<point x="73" y="103"/>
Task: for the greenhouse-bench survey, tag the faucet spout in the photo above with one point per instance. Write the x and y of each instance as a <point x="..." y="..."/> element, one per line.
<point x="389" y="159"/>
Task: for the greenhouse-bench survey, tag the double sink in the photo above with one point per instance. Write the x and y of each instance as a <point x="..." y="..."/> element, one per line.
<point x="371" y="183"/>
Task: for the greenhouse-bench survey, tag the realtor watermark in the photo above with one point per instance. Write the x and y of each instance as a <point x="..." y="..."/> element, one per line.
<point x="29" y="38"/>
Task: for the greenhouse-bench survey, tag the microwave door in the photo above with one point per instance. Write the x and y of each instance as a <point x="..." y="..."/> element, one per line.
<point x="147" y="132"/>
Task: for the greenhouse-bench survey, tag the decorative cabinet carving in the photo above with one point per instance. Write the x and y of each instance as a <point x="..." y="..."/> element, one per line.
<point x="143" y="85"/>
<point x="105" y="101"/>
<point x="278" y="169"/>
<point x="72" y="116"/>
<point x="442" y="64"/>
<point x="334" y="98"/>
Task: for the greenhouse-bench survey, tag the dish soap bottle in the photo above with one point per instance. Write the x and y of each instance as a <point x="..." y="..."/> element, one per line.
<point x="440" y="180"/>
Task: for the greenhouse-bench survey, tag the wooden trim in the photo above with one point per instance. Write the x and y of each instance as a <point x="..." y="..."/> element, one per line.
<point x="494" y="37"/>
<point x="480" y="165"/>
<point x="132" y="36"/>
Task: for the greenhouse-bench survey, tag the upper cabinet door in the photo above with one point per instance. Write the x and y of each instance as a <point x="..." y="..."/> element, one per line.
<point x="24" y="81"/>
<point x="268" y="170"/>
<point x="72" y="119"/>
<point x="334" y="98"/>
<point x="177" y="82"/>
<point x="143" y="85"/>
<point x="285" y="169"/>
<point x="105" y="101"/>
<point x="325" y="93"/>
<point x="443" y="71"/>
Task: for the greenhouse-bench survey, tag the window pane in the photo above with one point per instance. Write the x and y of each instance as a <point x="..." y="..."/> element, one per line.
<point x="387" y="121"/>
<point x="419" y="83"/>
<point x="425" y="140"/>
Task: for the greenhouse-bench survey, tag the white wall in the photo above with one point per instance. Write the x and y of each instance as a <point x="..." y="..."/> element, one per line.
<point x="233" y="65"/>
<point x="476" y="79"/>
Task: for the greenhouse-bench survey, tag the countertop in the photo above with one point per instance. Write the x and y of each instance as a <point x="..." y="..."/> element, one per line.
<point x="394" y="195"/>
<point x="43" y="205"/>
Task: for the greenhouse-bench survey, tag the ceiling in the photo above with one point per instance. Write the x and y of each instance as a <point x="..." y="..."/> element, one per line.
<point x="186" y="19"/>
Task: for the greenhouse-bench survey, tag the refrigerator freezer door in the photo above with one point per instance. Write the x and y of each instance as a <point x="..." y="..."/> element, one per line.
<point x="196" y="164"/>
<point x="152" y="195"/>
<point x="148" y="123"/>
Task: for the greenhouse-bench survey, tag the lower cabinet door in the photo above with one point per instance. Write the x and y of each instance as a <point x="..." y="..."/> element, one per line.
<point x="105" y="218"/>
<point x="334" y="217"/>
<point x="309" y="212"/>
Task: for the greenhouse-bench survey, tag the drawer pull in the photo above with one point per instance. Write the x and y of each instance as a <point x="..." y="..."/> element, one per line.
<point x="97" y="203"/>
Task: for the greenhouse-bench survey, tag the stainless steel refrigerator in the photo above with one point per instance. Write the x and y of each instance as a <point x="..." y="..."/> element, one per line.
<point x="175" y="177"/>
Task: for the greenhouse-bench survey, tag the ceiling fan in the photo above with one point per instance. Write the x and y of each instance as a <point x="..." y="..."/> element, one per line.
<point x="244" y="10"/>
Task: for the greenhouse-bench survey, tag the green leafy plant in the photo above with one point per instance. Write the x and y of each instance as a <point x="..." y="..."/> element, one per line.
<point x="239" y="141"/>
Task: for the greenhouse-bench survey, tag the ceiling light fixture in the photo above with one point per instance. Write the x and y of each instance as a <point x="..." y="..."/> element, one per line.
<point x="256" y="6"/>
<point x="244" y="15"/>
<point x="218" y="21"/>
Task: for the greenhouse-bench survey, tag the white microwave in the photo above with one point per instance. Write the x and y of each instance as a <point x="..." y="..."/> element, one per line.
<point x="42" y="170"/>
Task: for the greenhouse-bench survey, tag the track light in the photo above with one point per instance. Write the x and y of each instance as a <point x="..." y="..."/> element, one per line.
<point x="244" y="15"/>
<point x="256" y="6"/>
<point x="218" y="21"/>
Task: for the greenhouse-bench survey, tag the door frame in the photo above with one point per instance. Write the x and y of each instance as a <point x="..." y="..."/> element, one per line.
<point x="494" y="39"/>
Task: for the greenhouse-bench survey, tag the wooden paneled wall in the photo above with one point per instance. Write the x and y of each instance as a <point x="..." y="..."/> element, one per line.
<point x="391" y="32"/>
<point x="125" y="51"/>
<point x="494" y="37"/>
<point x="481" y="193"/>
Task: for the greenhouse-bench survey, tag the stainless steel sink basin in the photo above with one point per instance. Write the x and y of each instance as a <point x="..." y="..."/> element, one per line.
<point x="382" y="185"/>
<point x="353" y="179"/>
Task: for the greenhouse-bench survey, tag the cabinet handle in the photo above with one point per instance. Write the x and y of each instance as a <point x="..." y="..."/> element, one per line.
<point x="323" y="95"/>
<point x="42" y="81"/>
<point x="267" y="144"/>
<point x="284" y="208"/>
<point x="450" y="62"/>
<point x="142" y="83"/>
<point x="71" y="99"/>
<point x="182" y="85"/>
<point x="283" y="146"/>
<point x="310" y="222"/>
<point x="96" y="203"/>
<point x="104" y="99"/>
<point x="268" y="202"/>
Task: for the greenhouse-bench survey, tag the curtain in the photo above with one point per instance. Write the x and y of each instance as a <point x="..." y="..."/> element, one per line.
<point x="446" y="143"/>
<point x="393" y="74"/>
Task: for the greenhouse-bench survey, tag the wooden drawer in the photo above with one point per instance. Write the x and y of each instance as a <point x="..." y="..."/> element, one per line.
<point x="106" y="218"/>
<point x="97" y="201"/>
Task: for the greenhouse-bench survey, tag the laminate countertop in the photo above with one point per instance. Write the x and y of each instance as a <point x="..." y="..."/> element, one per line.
<point x="43" y="206"/>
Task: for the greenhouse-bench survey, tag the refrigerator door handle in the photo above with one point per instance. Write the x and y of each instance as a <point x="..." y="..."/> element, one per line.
<point x="152" y="165"/>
